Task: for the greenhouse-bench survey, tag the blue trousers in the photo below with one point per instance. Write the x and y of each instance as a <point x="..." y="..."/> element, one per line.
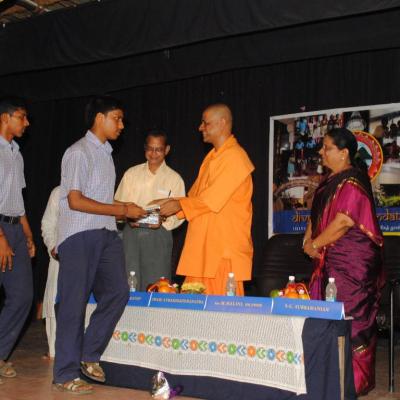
<point x="90" y="261"/>
<point x="18" y="287"/>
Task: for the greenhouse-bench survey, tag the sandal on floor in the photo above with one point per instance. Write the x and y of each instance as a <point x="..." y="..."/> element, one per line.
<point x="76" y="386"/>
<point x="93" y="371"/>
<point x="7" y="370"/>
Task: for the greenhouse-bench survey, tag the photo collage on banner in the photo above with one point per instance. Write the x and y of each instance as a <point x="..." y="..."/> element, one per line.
<point x="295" y="167"/>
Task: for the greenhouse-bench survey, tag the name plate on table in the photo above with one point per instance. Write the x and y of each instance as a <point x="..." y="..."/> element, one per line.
<point x="136" y="299"/>
<point x="231" y="304"/>
<point x="247" y="305"/>
<point x="139" y="299"/>
<point x="182" y="301"/>
<point x="308" y="308"/>
<point x="234" y="304"/>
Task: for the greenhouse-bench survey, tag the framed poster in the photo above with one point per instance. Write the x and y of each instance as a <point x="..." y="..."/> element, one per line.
<point x="295" y="168"/>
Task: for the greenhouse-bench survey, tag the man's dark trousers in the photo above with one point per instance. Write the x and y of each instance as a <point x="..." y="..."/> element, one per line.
<point x="18" y="287"/>
<point x="90" y="261"/>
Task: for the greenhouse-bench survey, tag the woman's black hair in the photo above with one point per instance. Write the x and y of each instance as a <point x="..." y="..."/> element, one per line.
<point x="344" y="139"/>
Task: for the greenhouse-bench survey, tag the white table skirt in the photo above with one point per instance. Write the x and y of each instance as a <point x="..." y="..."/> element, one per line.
<point x="260" y="349"/>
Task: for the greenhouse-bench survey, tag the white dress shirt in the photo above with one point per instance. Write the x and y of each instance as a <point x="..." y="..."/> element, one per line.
<point x="140" y="186"/>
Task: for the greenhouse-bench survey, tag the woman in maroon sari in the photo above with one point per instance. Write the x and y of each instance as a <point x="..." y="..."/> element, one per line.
<point x="345" y="242"/>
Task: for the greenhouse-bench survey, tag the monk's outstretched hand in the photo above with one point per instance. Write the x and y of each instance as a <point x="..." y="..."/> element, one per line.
<point x="170" y="207"/>
<point x="158" y="202"/>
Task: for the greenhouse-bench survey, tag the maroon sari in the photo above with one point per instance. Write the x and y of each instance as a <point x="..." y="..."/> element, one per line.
<point x="354" y="260"/>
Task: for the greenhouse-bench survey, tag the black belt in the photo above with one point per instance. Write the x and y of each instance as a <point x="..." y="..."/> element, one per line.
<point x="9" y="220"/>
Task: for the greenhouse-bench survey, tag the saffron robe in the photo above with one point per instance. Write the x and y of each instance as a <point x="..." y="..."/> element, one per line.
<point x="219" y="211"/>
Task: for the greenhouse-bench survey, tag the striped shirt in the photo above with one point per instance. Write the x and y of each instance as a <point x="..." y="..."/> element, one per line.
<point x="12" y="179"/>
<point x="87" y="166"/>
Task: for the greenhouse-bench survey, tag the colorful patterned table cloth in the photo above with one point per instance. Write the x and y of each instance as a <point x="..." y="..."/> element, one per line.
<point x="260" y="349"/>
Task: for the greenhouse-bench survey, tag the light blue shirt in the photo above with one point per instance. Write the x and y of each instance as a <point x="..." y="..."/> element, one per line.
<point x="87" y="166"/>
<point x="12" y="179"/>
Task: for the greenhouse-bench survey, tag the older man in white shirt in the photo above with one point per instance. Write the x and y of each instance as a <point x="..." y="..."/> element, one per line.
<point x="148" y="249"/>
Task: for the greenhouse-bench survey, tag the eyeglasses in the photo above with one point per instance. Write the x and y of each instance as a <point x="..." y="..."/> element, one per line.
<point x="154" y="149"/>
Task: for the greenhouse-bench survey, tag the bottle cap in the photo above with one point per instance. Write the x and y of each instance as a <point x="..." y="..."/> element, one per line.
<point x="331" y="280"/>
<point x="291" y="278"/>
<point x="231" y="274"/>
<point x="132" y="273"/>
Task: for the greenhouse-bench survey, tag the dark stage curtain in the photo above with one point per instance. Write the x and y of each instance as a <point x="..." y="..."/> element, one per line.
<point x="109" y="30"/>
<point x="254" y="95"/>
<point x="360" y="33"/>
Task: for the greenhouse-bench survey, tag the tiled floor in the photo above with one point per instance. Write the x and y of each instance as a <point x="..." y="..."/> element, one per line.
<point x="35" y="374"/>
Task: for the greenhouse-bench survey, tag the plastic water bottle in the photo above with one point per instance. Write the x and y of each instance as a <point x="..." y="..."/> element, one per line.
<point x="331" y="290"/>
<point x="132" y="281"/>
<point x="231" y="285"/>
<point x="291" y="282"/>
<point x="290" y="286"/>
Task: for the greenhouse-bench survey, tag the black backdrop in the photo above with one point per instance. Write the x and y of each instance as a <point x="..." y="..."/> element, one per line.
<point x="112" y="29"/>
<point x="357" y="75"/>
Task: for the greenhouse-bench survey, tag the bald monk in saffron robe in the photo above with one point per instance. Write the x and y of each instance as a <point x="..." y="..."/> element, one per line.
<point x="218" y="209"/>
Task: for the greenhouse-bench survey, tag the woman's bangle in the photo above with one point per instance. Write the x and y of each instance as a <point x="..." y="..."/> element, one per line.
<point x="305" y="240"/>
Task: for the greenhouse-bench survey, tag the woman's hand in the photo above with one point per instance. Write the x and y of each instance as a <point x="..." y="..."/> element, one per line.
<point x="334" y="231"/>
<point x="311" y="249"/>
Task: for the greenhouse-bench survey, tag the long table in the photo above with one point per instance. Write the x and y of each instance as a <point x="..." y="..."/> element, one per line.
<point x="217" y="355"/>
